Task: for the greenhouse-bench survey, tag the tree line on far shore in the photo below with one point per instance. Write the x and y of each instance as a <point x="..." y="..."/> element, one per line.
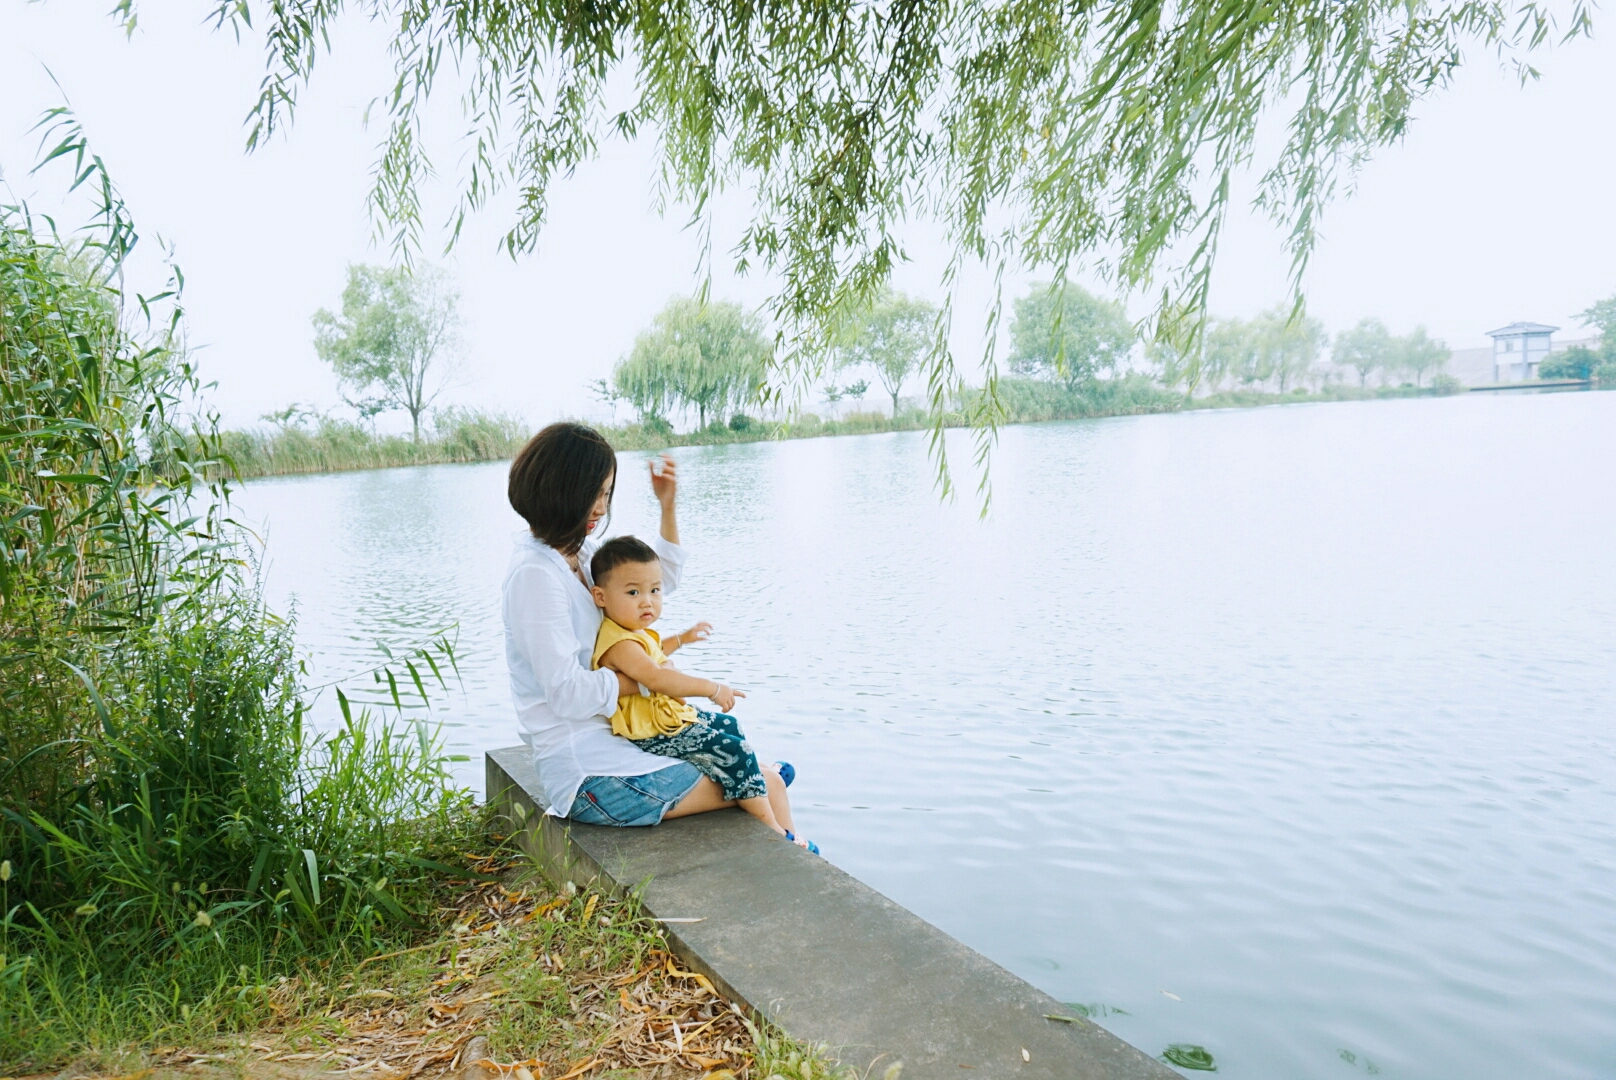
<point x="397" y="336"/>
<point x="710" y="361"/>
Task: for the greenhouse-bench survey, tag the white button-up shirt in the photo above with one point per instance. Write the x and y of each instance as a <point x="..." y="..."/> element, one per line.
<point x="564" y="708"/>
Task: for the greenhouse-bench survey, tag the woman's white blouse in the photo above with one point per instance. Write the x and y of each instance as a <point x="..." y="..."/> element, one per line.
<point x="563" y="707"/>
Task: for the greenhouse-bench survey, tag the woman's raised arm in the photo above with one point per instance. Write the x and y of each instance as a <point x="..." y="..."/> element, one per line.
<point x="665" y="486"/>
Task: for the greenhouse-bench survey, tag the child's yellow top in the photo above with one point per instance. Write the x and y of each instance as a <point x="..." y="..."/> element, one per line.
<point x="638" y="716"/>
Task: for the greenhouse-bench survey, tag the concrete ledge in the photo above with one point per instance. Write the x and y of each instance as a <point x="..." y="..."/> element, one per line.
<point x="827" y="958"/>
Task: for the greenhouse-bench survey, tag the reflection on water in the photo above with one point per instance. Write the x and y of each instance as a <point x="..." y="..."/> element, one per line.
<point x="1283" y="732"/>
<point x="1190" y="1056"/>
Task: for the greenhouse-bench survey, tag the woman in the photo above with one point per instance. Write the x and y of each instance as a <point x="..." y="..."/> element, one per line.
<point x="561" y="484"/>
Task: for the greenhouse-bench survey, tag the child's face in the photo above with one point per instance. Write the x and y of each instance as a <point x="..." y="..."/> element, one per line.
<point x="632" y="595"/>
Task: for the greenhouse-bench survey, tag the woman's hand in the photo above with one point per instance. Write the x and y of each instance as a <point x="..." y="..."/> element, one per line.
<point x="664" y="481"/>
<point x="724" y="697"/>
<point x="627" y="687"/>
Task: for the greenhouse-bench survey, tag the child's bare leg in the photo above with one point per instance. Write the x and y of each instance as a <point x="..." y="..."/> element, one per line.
<point x="779" y="801"/>
<point x="759" y="808"/>
<point x="719" y="750"/>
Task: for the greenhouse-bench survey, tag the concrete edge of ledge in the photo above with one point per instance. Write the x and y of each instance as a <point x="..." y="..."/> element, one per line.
<point x="826" y="958"/>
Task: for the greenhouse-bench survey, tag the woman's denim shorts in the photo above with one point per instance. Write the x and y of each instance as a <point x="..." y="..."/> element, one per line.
<point x="632" y="800"/>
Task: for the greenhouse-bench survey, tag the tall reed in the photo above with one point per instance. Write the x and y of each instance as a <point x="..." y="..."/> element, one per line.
<point x="316" y="442"/>
<point x="171" y="828"/>
<point x="95" y="534"/>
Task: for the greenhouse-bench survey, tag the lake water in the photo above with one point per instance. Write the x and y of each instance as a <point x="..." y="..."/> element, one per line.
<point x="1286" y="732"/>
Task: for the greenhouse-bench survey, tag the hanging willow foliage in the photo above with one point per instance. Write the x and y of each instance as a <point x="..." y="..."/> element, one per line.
<point x="1047" y="134"/>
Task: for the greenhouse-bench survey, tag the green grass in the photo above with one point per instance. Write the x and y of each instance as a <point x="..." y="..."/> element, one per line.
<point x="85" y="986"/>
<point x="169" y="825"/>
<point x="539" y="971"/>
<point x="210" y="842"/>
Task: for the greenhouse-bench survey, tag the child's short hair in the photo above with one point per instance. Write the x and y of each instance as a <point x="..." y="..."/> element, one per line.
<point x="617" y="551"/>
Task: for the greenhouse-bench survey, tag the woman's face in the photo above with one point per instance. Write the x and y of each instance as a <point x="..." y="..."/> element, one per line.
<point x="603" y="503"/>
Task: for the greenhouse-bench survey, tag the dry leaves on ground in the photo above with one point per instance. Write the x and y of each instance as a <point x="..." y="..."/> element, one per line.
<point x="647" y="1015"/>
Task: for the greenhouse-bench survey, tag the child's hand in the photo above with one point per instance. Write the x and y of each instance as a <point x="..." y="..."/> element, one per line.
<point x="724" y="697"/>
<point x="700" y="632"/>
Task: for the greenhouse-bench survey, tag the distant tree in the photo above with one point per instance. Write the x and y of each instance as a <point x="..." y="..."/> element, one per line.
<point x="1176" y="362"/>
<point x="394" y="340"/>
<point x="1577" y="362"/>
<point x="1366" y="348"/>
<point x="642" y="380"/>
<point x="1416" y="353"/>
<point x="1068" y="334"/>
<point x="709" y="357"/>
<point x="1229" y="349"/>
<point x="1270" y="348"/>
<point x="292" y="416"/>
<point x="892" y="339"/>
<point x="1287" y="346"/>
<point x="1177" y="349"/>
<point x="604" y="391"/>
<point x="1603" y="315"/>
<point x="857" y="390"/>
<point x="1253" y="360"/>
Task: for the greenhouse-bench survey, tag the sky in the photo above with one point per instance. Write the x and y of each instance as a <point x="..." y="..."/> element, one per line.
<point x="1496" y="207"/>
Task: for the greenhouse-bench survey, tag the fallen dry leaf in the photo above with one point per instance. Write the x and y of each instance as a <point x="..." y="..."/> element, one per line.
<point x="581" y="1067"/>
<point x="653" y="1020"/>
<point x="702" y="979"/>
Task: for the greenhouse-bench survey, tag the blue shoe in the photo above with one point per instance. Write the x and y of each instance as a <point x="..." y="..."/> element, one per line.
<point x="786" y="771"/>
<point x="808" y="845"/>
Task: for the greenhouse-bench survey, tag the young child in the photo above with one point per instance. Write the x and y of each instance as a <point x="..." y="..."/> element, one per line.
<point x="628" y="589"/>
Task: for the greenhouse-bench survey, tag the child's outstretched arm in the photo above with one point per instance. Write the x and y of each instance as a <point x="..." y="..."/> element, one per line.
<point x="696" y="633"/>
<point x="631" y="659"/>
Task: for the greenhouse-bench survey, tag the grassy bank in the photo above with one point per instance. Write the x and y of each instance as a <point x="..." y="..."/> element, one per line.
<point x="509" y="973"/>
<point x="324" y="444"/>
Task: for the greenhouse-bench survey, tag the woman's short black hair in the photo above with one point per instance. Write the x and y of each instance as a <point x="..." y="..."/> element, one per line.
<point x="555" y="480"/>
<point x="619" y="551"/>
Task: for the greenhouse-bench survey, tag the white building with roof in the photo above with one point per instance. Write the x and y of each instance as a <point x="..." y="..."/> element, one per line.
<point x="1518" y="349"/>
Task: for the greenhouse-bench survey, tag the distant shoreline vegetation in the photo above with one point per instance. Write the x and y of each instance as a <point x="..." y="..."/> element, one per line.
<point x="311" y="443"/>
<point x="1072" y="356"/>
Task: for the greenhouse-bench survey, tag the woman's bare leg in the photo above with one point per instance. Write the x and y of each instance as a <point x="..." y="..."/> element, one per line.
<point x="705" y="796"/>
<point x="778" y="799"/>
